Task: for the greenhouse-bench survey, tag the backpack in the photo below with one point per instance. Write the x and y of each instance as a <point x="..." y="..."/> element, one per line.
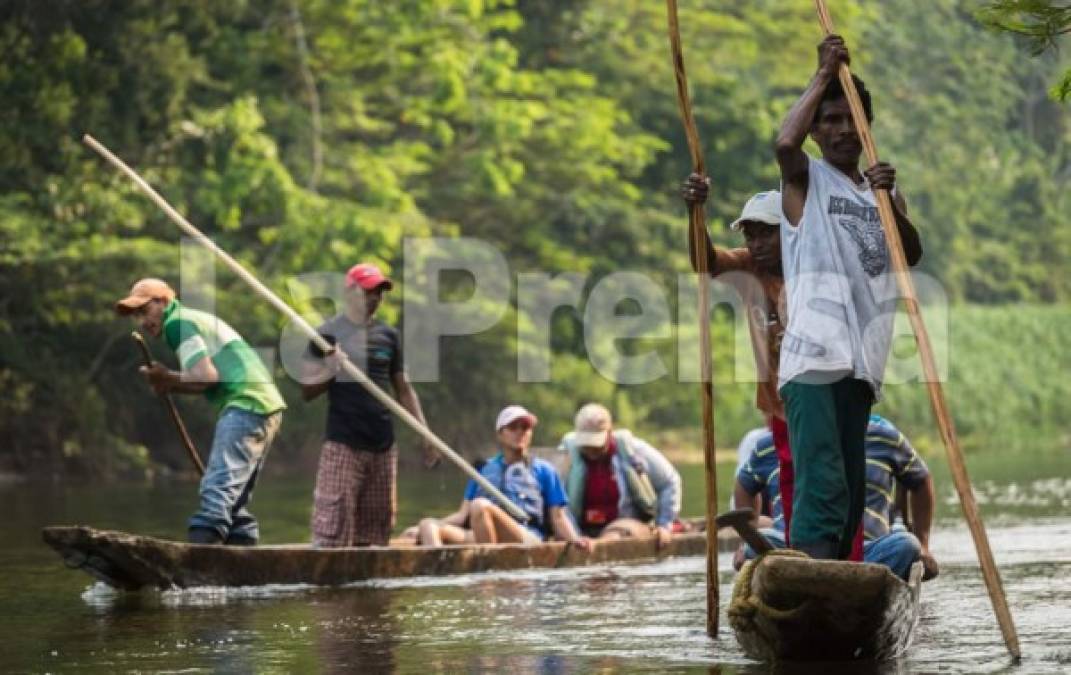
<point x="640" y="491"/>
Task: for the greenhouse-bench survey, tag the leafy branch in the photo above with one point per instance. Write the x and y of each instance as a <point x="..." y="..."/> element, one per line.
<point x="1040" y="22"/>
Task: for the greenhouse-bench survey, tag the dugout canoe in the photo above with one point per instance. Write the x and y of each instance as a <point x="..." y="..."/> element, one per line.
<point x="131" y="562"/>
<point x="798" y="609"/>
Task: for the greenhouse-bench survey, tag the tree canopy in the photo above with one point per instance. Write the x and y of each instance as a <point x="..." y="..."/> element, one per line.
<point x="1040" y="22"/>
<point x="307" y="135"/>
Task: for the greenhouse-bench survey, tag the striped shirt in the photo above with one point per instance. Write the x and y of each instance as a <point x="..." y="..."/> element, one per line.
<point x="761" y="475"/>
<point x="890" y="461"/>
<point x="244" y="381"/>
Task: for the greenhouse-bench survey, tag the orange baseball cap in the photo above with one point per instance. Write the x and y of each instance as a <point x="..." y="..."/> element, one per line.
<point x="142" y="292"/>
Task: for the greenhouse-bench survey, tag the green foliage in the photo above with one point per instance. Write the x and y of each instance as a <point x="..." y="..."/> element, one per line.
<point x="1039" y="22"/>
<point x="1005" y="387"/>
<point x="548" y="129"/>
<point x="982" y="157"/>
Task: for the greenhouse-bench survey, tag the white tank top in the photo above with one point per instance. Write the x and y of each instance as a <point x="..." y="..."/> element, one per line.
<point x="841" y="292"/>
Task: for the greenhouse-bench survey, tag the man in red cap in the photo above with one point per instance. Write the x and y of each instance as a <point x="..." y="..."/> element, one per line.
<point x="356" y="489"/>
<point x="217" y="362"/>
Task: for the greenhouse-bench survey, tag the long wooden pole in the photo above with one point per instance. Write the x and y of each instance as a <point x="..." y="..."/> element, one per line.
<point x="696" y="223"/>
<point x="929" y="364"/>
<point x="169" y="403"/>
<point x="317" y="339"/>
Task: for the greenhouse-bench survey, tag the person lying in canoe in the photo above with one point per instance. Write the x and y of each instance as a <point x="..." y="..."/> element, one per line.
<point x="890" y="461"/>
<point x="529" y="482"/>
<point x="618" y="485"/>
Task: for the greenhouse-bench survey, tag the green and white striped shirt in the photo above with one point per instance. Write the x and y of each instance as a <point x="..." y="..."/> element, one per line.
<point x="244" y="381"/>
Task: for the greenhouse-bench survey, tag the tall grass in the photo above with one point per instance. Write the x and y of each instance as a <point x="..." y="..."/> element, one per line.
<point x="1008" y="386"/>
<point x="1007" y="382"/>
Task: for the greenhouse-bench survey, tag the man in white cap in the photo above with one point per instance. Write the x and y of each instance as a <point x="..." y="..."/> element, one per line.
<point x="529" y="482"/>
<point x="355" y="499"/>
<point x="215" y="361"/>
<point x="755" y="272"/>
<point x="618" y="484"/>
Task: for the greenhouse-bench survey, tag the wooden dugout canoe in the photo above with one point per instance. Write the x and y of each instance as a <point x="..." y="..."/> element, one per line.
<point x="131" y="562"/>
<point x="798" y="609"/>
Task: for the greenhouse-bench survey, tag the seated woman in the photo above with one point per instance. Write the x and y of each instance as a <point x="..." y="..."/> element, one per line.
<point x="529" y="482"/>
<point x="618" y="485"/>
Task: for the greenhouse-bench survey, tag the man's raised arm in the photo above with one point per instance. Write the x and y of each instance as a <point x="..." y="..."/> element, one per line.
<point x="794" y="130"/>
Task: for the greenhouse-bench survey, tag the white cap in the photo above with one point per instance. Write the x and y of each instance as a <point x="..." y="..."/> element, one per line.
<point x="592" y="425"/>
<point x="765" y="207"/>
<point x="511" y="414"/>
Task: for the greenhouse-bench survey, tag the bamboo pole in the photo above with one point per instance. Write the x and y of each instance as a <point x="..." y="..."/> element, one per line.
<point x="929" y="365"/>
<point x="317" y="339"/>
<point x="696" y="223"/>
<point x="169" y="402"/>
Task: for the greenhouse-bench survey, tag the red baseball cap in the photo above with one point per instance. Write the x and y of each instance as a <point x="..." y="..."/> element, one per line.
<point x="368" y="277"/>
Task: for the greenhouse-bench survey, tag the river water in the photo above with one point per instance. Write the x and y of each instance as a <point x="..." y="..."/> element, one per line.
<point x="637" y="618"/>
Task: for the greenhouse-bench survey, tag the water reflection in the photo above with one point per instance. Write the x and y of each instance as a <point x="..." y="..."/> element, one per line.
<point x="640" y="618"/>
<point x="355" y="631"/>
<point x="634" y="618"/>
<point x="1044" y="494"/>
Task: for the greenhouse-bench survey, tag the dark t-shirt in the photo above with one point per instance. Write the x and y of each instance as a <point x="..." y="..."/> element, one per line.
<point x="354" y="417"/>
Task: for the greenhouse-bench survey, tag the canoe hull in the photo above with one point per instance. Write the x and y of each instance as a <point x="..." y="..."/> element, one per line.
<point x="823" y="610"/>
<point x="131" y="562"/>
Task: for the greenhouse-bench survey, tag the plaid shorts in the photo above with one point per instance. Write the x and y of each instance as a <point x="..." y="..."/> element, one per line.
<point x="356" y="496"/>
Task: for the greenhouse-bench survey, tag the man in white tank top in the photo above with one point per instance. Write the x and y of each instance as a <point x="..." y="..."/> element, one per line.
<point x="841" y="303"/>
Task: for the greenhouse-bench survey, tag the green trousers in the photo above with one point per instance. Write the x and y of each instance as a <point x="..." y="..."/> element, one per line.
<point x="827" y="433"/>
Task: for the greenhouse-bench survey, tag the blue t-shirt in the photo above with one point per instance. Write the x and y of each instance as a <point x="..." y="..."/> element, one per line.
<point x="534" y="486"/>
<point x="762" y="474"/>
<point x="890" y="459"/>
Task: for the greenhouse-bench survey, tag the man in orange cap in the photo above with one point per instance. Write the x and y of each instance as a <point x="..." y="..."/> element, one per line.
<point x="215" y="361"/>
<point x="355" y="499"/>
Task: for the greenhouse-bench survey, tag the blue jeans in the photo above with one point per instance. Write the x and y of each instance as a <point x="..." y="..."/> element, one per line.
<point x="241" y="442"/>
<point x="897" y="550"/>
